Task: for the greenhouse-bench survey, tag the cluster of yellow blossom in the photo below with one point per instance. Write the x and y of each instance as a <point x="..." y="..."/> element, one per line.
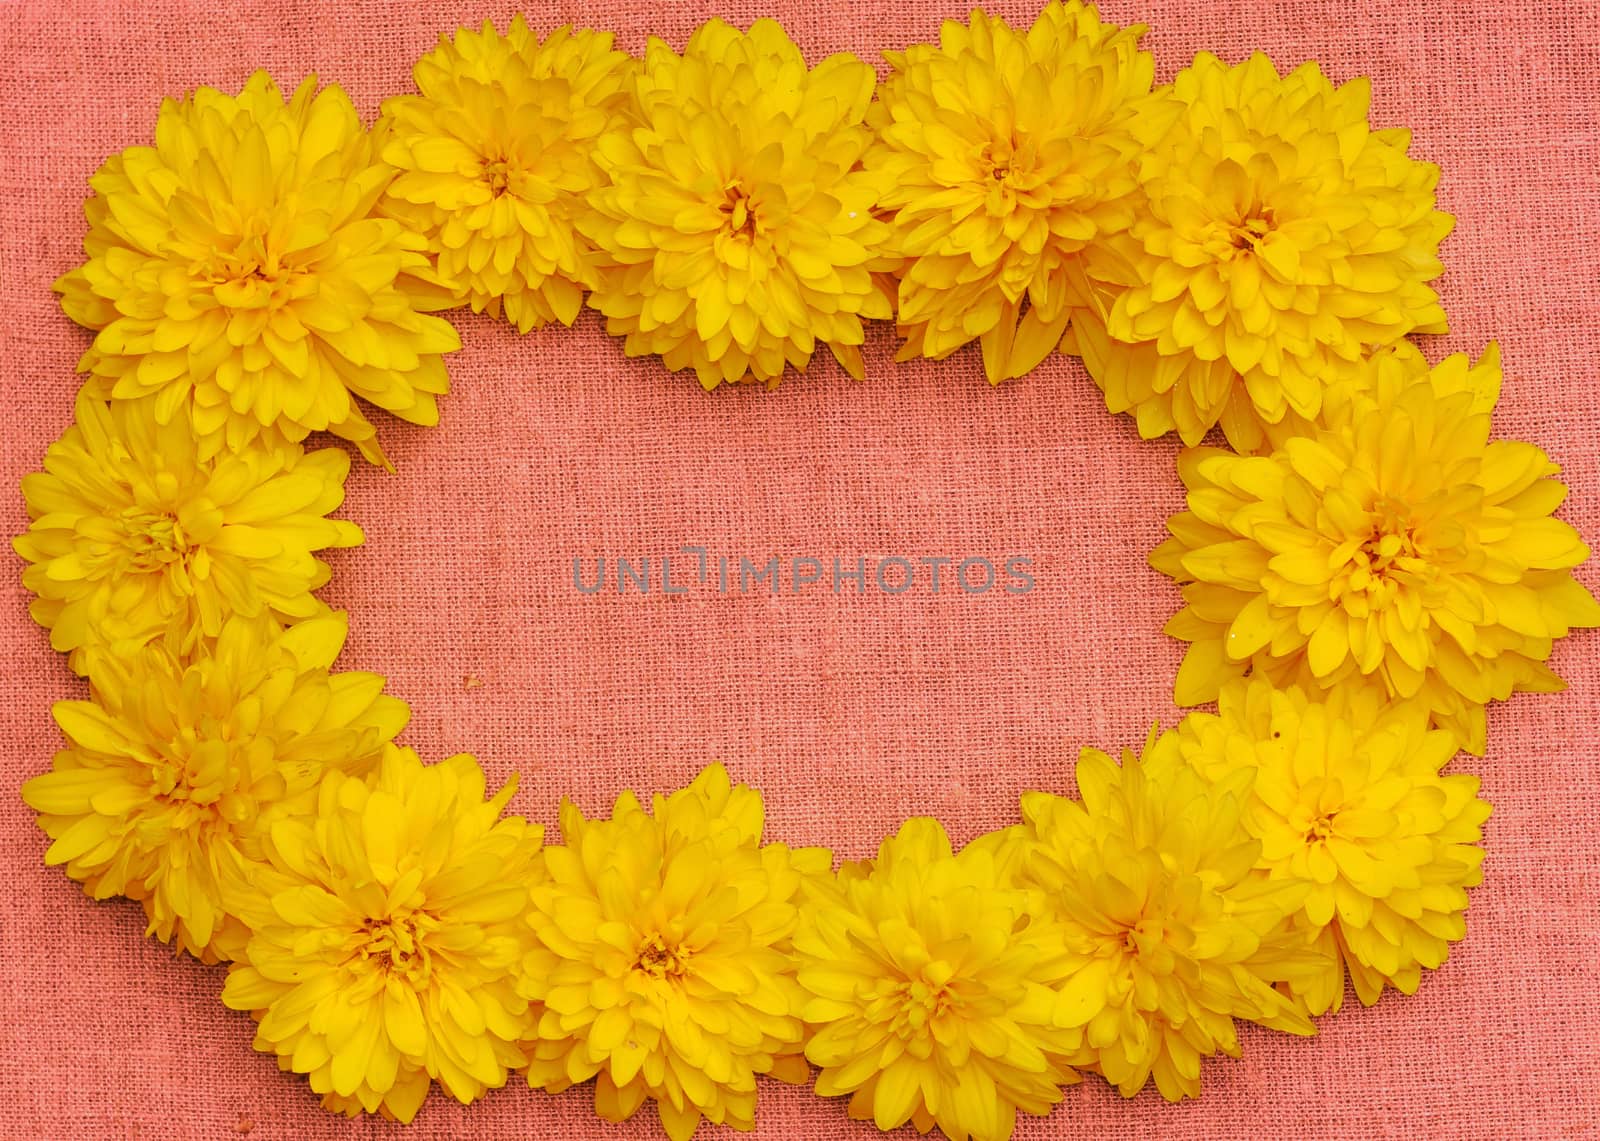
<point x="1362" y="573"/>
<point x="496" y="155"/>
<point x="1277" y="242"/>
<point x="386" y="936"/>
<point x="661" y="958"/>
<point x="239" y="273"/>
<point x="1237" y="870"/>
<point x="1395" y="548"/>
<point x="181" y="765"/>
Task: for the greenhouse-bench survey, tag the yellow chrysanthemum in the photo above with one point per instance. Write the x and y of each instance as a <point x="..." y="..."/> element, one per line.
<point x="1282" y="239"/>
<point x="1168" y="936"/>
<point x="238" y="272"/>
<point x="739" y="222"/>
<point x="175" y="771"/>
<point x="1399" y="548"/>
<point x="496" y="156"/>
<point x="930" y="991"/>
<point x="661" y="956"/>
<point x="387" y="927"/>
<point x="1347" y="798"/>
<point x="1382" y="376"/>
<point x="1007" y="157"/>
<point x="136" y="537"/>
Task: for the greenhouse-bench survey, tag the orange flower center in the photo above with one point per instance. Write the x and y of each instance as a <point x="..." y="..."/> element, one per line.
<point x="201" y="776"/>
<point x="1005" y="159"/>
<point x="1248" y="232"/>
<point x="925" y="1001"/>
<point x="1014" y="175"/>
<point x="152" y="540"/>
<point x="1144" y="936"/>
<point x="251" y="275"/>
<point x="738" y="211"/>
<point x="1314" y="816"/>
<point x="1385" y="550"/>
<point x="909" y="1004"/>
<point x="658" y="959"/>
<point x="497" y="174"/>
<point x="1388" y="557"/>
<point x="397" y="944"/>
<point x="1321" y="828"/>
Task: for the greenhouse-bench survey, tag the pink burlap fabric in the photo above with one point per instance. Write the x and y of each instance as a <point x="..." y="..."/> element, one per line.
<point x="850" y="712"/>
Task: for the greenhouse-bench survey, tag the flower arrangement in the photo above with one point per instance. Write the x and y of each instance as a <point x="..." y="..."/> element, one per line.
<point x="1364" y="570"/>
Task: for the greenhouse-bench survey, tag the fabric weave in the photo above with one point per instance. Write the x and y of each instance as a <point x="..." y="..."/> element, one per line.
<point x="850" y="711"/>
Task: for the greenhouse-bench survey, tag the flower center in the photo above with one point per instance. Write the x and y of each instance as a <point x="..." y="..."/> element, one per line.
<point x="924" y="1000"/>
<point x="250" y="275"/>
<point x="1247" y="233"/>
<point x="738" y="212"/>
<point x="397" y="944"/>
<point x="1383" y="550"/>
<point x="1321" y="828"/>
<point x="497" y="174"/>
<point x="660" y="960"/>
<point x="1387" y="556"/>
<point x="152" y="540"/>
<point x="911" y="1003"/>
<point x="1000" y="155"/>
<point x="197" y="771"/>
<point x="1144" y="936"/>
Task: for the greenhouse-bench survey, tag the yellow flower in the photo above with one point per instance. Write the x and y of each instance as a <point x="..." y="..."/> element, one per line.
<point x="740" y="226"/>
<point x="661" y="956"/>
<point x="1007" y="158"/>
<point x="176" y="770"/>
<point x="496" y="156"/>
<point x="135" y="536"/>
<point x="236" y="271"/>
<point x="930" y="990"/>
<point x="1168" y="936"/>
<point x="1282" y="239"/>
<point x="1347" y="798"/>
<point x="1380" y="378"/>
<point x="1399" y="548"/>
<point x="386" y="931"/>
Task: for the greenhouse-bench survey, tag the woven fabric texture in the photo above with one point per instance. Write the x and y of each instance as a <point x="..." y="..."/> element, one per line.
<point x="851" y="711"/>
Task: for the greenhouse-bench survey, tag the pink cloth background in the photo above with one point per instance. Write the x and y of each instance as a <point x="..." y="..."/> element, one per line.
<point x="851" y="713"/>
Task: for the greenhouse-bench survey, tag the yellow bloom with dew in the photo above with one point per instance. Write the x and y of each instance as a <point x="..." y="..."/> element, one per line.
<point x="1400" y="549"/>
<point x="1347" y="797"/>
<point x="1008" y="156"/>
<point x="386" y="928"/>
<point x="1282" y="238"/>
<point x="1169" y="937"/>
<point x="496" y="157"/>
<point x="137" y="536"/>
<point x="734" y="211"/>
<point x="929" y="984"/>
<point x="177" y="768"/>
<point x="661" y="956"/>
<point x="238" y="272"/>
